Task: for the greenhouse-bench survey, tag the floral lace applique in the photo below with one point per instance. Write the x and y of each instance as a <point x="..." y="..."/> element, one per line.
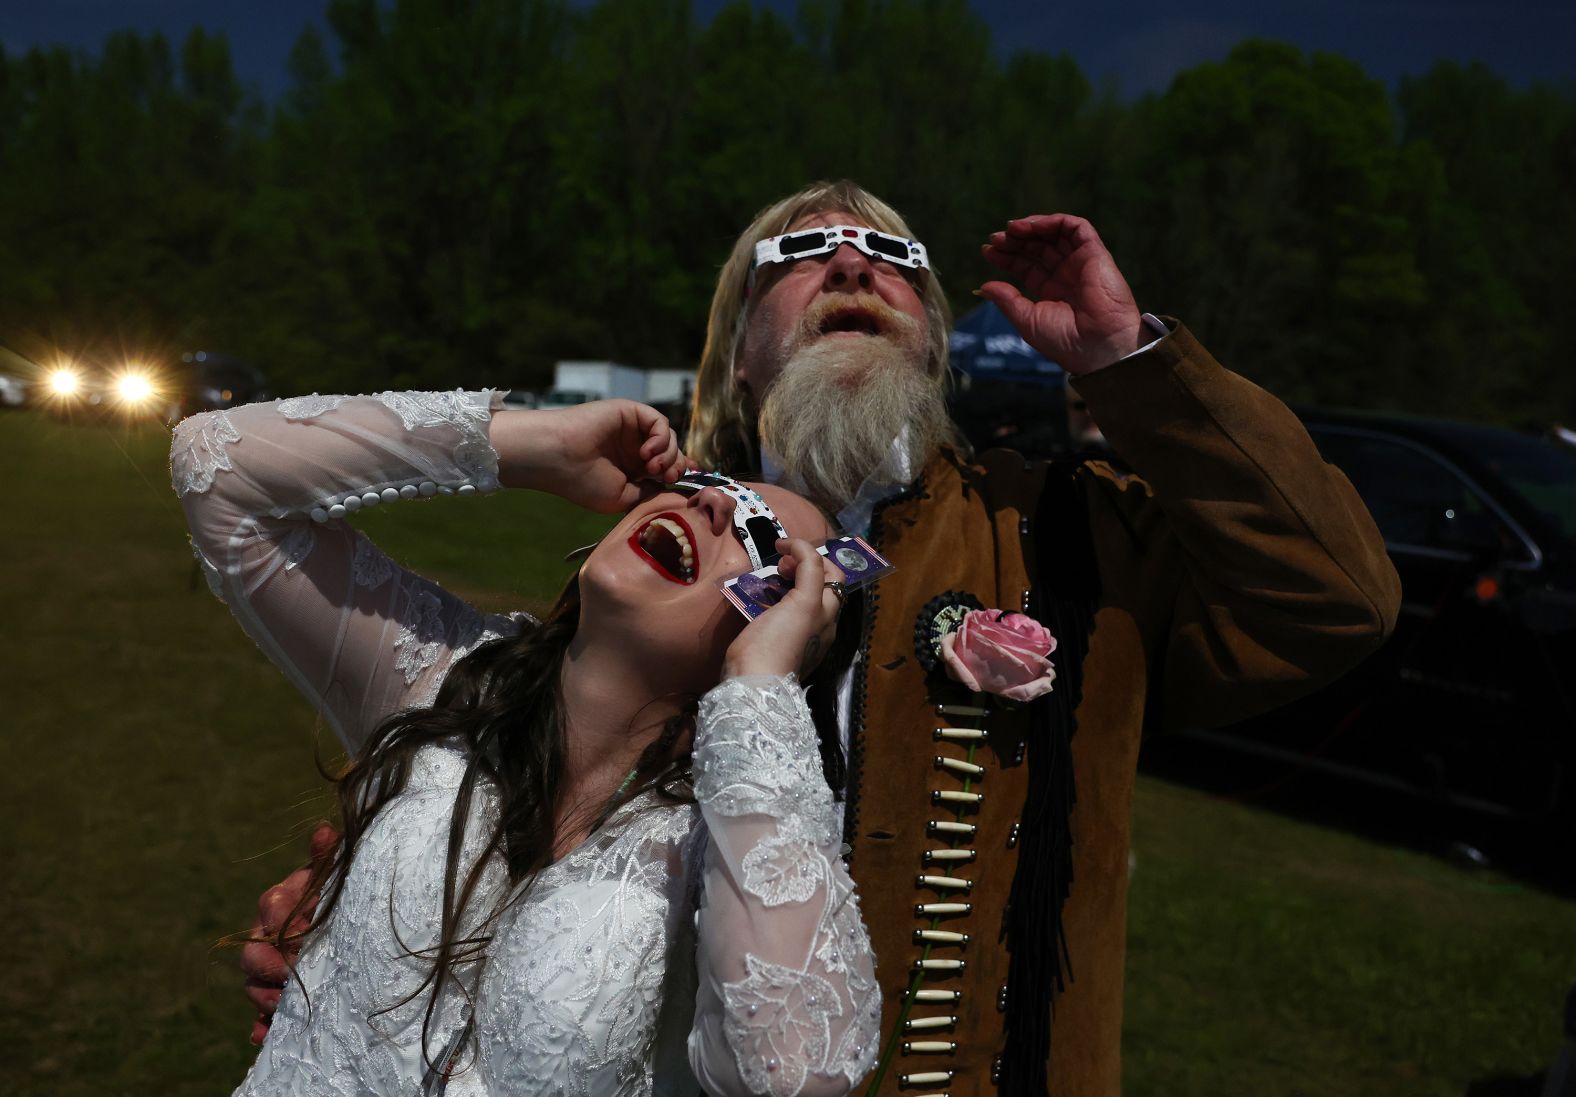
<point x="469" y="630"/>
<point x="759" y="761"/>
<point x="756" y="756"/>
<point x="844" y="936"/>
<point x="779" y="1024"/>
<point x="576" y="983"/>
<point x="465" y="412"/>
<point x="420" y="637"/>
<point x="308" y="407"/>
<point x="555" y="943"/>
<point x="198" y="452"/>
<point x="856" y="1053"/>
<point x="370" y="566"/>
<point x="784" y="867"/>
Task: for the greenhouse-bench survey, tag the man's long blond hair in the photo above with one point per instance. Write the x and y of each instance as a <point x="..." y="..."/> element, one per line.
<point x="722" y="433"/>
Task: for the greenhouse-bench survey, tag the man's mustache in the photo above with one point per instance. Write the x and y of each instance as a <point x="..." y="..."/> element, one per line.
<point x="852" y="312"/>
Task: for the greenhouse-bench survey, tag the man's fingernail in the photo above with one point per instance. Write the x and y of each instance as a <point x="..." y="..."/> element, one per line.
<point x="977" y="292"/>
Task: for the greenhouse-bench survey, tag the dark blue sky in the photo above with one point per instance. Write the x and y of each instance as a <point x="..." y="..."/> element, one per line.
<point x="1140" y="44"/>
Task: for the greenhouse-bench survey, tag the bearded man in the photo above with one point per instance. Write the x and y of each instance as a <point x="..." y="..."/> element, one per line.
<point x="1234" y="571"/>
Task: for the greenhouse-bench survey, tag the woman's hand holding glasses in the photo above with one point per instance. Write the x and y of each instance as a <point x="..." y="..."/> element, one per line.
<point x="795" y="634"/>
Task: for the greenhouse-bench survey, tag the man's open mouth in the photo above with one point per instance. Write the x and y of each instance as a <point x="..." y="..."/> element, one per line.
<point x="666" y="542"/>
<point x="851" y="321"/>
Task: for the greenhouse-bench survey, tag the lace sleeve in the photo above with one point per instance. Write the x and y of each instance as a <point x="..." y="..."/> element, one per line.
<point x="787" y="1002"/>
<point x="264" y="488"/>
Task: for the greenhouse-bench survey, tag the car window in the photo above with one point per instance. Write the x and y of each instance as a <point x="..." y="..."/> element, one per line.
<point x="1416" y="499"/>
<point x="1543" y="474"/>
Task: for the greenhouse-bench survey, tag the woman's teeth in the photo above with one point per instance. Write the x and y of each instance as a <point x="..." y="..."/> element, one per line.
<point x="667" y="545"/>
<point x="686" y="550"/>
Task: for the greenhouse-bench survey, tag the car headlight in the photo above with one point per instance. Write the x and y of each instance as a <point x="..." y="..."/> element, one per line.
<point x="133" y="387"/>
<point x="65" y="381"/>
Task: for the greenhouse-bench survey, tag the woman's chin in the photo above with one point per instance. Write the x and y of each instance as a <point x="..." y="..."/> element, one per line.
<point x="659" y="648"/>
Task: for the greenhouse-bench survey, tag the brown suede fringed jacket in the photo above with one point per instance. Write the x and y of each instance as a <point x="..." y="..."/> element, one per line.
<point x="1236" y="571"/>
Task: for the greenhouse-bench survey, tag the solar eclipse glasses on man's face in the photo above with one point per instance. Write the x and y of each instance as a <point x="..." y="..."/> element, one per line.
<point x="808" y="243"/>
<point x="753" y="521"/>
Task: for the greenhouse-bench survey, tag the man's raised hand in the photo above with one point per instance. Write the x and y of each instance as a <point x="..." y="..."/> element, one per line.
<point x="605" y="456"/>
<point x="1075" y="308"/>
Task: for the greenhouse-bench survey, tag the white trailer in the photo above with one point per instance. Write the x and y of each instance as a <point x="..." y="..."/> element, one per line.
<point x="669" y="386"/>
<point x="580" y="381"/>
<point x="577" y="382"/>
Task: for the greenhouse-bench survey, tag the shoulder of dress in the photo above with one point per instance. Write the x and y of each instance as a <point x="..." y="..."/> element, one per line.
<point x="438" y="767"/>
<point x="647" y="820"/>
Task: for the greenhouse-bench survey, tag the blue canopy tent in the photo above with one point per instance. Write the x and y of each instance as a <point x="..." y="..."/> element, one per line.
<point x="1008" y="393"/>
<point x="986" y="347"/>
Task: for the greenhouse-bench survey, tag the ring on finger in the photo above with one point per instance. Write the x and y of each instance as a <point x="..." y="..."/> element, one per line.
<point x="838" y="588"/>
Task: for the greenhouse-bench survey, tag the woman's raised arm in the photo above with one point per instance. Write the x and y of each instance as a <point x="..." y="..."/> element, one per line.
<point x="265" y="488"/>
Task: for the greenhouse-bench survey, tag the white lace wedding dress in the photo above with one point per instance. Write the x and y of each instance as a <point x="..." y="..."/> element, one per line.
<point x="714" y="946"/>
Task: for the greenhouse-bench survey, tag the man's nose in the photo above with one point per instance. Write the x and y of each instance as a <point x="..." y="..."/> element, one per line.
<point x="849" y="271"/>
<point x="716" y="506"/>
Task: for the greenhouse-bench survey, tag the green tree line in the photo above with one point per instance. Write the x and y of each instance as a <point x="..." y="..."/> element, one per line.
<point x="458" y="192"/>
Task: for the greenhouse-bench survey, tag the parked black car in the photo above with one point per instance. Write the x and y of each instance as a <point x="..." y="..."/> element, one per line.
<point x="1473" y="700"/>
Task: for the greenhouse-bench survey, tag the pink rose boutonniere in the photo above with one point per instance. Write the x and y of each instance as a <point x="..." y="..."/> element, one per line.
<point x="998" y="652"/>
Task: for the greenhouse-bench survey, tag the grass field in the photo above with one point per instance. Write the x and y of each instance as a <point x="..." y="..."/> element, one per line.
<point x="158" y="774"/>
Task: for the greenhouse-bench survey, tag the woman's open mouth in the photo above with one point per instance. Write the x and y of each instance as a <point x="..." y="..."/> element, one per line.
<point x="666" y="542"/>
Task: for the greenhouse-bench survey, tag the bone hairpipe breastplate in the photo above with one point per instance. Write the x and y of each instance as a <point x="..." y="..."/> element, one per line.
<point x="941" y="781"/>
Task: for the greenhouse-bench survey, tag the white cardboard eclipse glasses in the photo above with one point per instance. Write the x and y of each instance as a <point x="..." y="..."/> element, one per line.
<point x="808" y="243"/>
<point x="758" y="530"/>
<point x="754" y="523"/>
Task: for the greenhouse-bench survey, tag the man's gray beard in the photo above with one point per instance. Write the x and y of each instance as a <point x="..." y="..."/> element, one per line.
<point x="836" y="408"/>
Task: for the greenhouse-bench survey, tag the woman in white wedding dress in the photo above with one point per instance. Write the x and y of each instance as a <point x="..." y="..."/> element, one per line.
<point x="572" y="862"/>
